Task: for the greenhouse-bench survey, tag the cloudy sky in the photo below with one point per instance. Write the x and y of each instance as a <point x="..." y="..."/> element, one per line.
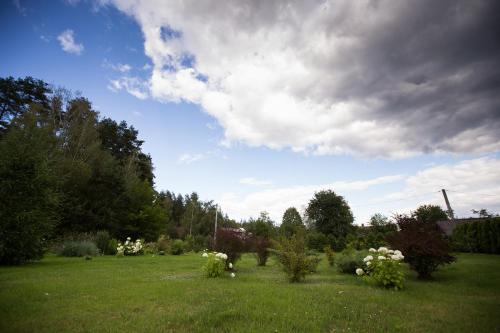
<point x="258" y="104"/>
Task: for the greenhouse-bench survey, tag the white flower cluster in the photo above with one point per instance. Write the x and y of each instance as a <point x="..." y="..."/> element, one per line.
<point x="129" y="247"/>
<point x="383" y="254"/>
<point x="219" y="256"/>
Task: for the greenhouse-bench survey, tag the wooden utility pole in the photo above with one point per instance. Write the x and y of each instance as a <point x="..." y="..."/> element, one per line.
<point x="191" y="223"/>
<point x="450" y="211"/>
<point x="215" y="229"/>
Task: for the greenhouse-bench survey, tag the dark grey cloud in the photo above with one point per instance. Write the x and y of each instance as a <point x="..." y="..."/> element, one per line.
<point x="384" y="78"/>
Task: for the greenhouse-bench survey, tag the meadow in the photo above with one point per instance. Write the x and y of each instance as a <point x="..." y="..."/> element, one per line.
<point x="170" y="294"/>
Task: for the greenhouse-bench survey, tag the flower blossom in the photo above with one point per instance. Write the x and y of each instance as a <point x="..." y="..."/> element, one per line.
<point x="368" y="258"/>
<point x="372" y="250"/>
<point x="359" y="271"/>
<point x="204" y="255"/>
<point x="233" y="275"/>
<point x="230" y="265"/>
<point x="381" y="258"/>
<point x="382" y="249"/>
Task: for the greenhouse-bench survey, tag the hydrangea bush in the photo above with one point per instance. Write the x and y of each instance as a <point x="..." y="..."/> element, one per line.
<point x="383" y="267"/>
<point x="216" y="264"/>
<point x="130" y="248"/>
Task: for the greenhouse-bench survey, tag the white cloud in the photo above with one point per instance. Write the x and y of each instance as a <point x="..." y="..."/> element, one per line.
<point x="329" y="77"/>
<point x="68" y="44"/>
<point x="470" y="184"/>
<point x="276" y="201"/>
<point x="133" y="85"/>
<point x="255" y="182"/>
<point x="190" y="158"/>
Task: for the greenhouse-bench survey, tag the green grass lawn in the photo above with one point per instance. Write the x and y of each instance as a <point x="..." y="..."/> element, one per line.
<point x="170" y="294"/>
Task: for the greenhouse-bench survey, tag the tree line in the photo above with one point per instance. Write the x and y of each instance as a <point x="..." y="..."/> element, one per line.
<point x="65" y="169"/>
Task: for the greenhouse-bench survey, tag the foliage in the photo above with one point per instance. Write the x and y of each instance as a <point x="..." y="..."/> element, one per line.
<point x="215" y="265"/>
<point x="422" y="243"/>
<point x="262" y="227"/>
<point x="292" y="256"/>
<point x="163" y="243"/>
<point x="28" y="188"/>
<point x="78" y="249"/>
<point x="112" y="247"/>
<point x="177" y="247"/>
<point x="232" y="242"/>
<point x="261" y="245"/>
<point x="150" y="248"/>
<point x="316" y="240"/>
<point x="383" y="268"/>
<point x="291" y="222"/>
<point x="102" y="239"/>
<point x="330" y="255"/>
<point x="481" y="236"/>
<point x="429" y="214"/>
<point x="330" y="214"/>
<point x="348" y="261"/>
<point x="130" y="248"/>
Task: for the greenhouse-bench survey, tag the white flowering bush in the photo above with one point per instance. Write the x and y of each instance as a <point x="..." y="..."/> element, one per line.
<point x="383" y="267"/>
<point x="216" y="264"/>
<point x="130" y="248"/>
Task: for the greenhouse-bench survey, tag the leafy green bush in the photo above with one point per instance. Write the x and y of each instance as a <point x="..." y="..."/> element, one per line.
<point x="261" y="246"/>
<point x="330" y="255"/>
<point x="383" y="267"/>
<point x="112" y="245"/>
<point x="102" y="239"/>
<point x="78" y="249"/>
<point x="294" y="259"/>
<point x="316" y="240"/>
<point x="177" y="247"/>
<point x="348" y="261"/>
<point x="215" y="265"/>
<point x="164" y="243"/>
<point x="150" y="248"/>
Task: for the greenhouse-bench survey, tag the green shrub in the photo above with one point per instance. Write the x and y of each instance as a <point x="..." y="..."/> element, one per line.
<point x="201" y="243"/>
<point x="78" y="249"/>
<point x="261" y="246"/>
<point x="294" y="259"/>
<point x="382" y="267"/>
<point x="150" y="248"/>
<point x="112" y="245"/>
<point x="177" y="247"/>
<point x="163" y="243"/>
<point x="232" y="242"/>
<point x="316" y="240"/>
<point x="348" y="261"/>
<point x="330" y="255"/>
<point x="215" y="265"/>
<point x="102" y="239"/>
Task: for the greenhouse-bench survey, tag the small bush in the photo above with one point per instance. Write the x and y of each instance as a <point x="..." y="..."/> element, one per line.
<point x="423" y="245"/>
<point x="330" y="255"/>
<point x="316" y="240"/>
<point x="177" y="247"/>
<point x="348" y="261"/>
<point x="261" y="247"/>
<point x="112" y="246"/>
<point x="231" y="242"/>
<point x="382" y="267"/>
<point x="163" y="243"/>
<point x="151" y="248"/>
<point x="78" y="249"/>
<point x="293" y="258"/>
<point x="215" y="265"/>
<point x="102" y="239"/>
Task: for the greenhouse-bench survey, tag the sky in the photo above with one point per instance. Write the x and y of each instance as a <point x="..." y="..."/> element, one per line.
<point x="257" y="105"/>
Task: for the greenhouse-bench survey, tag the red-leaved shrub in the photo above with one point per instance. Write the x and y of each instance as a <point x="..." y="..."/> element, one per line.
<point x="232" y="242"/>
<point x="423" y="245"/>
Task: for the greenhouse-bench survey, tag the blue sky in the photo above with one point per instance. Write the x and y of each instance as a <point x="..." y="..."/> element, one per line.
<point x="251" y="157"/>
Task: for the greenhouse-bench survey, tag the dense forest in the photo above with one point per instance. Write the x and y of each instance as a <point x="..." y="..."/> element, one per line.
<point x="64" y="169"/>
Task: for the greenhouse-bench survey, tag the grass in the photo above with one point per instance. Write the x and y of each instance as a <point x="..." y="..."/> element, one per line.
<point x="169" y="294"/>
